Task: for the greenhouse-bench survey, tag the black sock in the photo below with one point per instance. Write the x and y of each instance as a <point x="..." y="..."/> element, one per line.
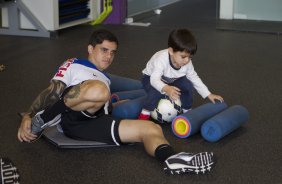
<point x="164" y="151"/>
<point x="57" y="108"/>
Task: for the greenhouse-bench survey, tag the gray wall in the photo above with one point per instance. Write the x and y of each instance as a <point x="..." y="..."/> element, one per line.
<point x="258" y="9"/>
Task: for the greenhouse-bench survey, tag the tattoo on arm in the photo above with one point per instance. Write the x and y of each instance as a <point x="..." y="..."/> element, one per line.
<point x="73" y="93"/>
<point x="47" y="97"/>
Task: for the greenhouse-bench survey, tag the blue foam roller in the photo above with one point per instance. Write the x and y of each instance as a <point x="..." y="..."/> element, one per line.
<point x="127" y="95"/>
<point x="224" y="123"/>
<point x="130" y="109"/>
<point x="119" y="83"/>
<point x="190" y="123"/>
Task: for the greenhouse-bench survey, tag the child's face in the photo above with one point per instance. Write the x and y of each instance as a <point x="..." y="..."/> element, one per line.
<point x="102" y="55"/>
<point x="178" y="58"/>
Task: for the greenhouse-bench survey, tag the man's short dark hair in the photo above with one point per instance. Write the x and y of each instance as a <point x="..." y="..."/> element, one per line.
<point x="99" y="35"/>
<point x="182" y="40"/>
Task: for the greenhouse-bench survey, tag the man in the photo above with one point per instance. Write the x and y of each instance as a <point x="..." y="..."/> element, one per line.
<point x="78" y="99"/>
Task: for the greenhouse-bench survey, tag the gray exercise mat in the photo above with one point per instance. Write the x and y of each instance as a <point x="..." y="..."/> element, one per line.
<point x="60" y="140"/>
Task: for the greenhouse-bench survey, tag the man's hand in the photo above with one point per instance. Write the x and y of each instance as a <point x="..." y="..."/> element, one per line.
<point x="24" y="131"/>
<point x="213" y="98"/>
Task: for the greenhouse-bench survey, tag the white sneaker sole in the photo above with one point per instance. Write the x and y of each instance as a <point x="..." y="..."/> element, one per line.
<point x="201" y="163"/>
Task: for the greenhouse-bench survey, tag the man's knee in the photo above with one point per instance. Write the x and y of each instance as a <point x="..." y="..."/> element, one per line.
<point x="153" y="129"/>
<point x="96" y="90"/>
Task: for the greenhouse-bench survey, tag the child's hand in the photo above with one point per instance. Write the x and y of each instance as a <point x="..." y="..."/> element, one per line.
<point x="172" y="91"/>
<point x="213" y="97"/>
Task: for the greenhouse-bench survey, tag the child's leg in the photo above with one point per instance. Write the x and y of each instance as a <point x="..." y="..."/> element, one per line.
<point x="186" y="88"/>
<point x="152" y="99"/>
<point x="153" y="95"/>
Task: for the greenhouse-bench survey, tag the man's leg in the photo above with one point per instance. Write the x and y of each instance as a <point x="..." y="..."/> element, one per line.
<point x="89" y="96"/>
<point x="147" y="132"/>
<point x="151" y="135"/>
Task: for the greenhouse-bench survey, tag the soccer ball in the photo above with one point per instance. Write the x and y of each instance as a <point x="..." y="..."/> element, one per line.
<point x="166" y="110"/>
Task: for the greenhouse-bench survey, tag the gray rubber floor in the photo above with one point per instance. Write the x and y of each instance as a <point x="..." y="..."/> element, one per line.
<point x="244" y="67"/>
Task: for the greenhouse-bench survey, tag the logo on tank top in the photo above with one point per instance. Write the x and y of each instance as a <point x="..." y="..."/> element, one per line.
<point x="63" y="68"/>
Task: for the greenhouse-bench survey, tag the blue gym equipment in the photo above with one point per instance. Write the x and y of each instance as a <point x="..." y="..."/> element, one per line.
<point x="129" y="109"/>
<point x="190" y="123"/>
<point x="224" y="123"/>
<point x="123" y="88"/>
<point x="119" y="83"/>
<point x="122" y="95"/>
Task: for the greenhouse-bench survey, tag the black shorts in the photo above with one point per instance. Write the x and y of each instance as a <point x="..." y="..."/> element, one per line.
<point x="101" y="128"/>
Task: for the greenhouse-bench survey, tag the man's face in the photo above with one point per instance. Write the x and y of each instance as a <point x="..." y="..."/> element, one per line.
<point x="102" y="55"/>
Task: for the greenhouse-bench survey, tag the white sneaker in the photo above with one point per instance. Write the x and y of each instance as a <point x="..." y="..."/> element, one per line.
<point x="9" y="172"/>
<point x="189" y="163"/>
<point x="38" y="125"/>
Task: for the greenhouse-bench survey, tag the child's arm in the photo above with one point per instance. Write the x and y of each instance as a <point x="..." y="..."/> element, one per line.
<point x="201" y="88"/>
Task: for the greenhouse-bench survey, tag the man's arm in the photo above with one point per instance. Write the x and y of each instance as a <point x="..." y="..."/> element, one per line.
<point x="47" y="97"/>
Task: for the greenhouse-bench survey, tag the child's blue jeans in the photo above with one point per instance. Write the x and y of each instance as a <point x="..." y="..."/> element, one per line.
<point x="153" y="95"/>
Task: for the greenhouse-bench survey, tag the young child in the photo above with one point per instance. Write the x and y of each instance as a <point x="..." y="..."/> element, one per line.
<point x="171" y="72"/>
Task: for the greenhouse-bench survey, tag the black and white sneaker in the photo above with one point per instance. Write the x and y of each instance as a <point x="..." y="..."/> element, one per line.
<point x="38" y="125"/>
<point x="9" y="173"/>
<point x="189" y="163"/>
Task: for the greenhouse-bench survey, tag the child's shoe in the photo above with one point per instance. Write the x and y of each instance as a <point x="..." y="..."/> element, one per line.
<point x="144" y="116"/>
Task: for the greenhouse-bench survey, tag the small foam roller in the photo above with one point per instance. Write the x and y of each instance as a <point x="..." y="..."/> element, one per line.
<point x="127" y="95"/>
<point x="224" y="123"/>
<point x="190" y="122"/>
<point x="129" y="109"/>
